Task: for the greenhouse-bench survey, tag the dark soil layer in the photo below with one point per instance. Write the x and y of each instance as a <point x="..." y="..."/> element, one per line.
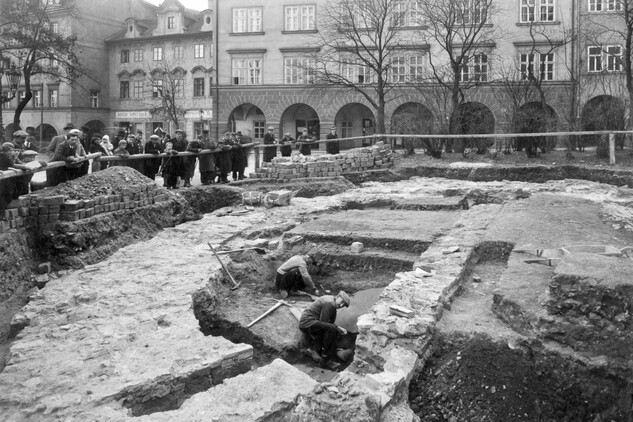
<point x="476" y="379"/>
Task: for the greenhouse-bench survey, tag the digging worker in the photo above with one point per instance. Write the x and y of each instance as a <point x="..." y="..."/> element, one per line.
<point x="293" y="275"/>
<point x="317" y="322"/>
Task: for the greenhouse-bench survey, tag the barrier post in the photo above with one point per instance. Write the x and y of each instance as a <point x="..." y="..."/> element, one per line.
<point x="612" y="148"/>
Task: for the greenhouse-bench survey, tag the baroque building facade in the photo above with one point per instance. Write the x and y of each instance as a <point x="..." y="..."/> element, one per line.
<point x="243" y="65"/>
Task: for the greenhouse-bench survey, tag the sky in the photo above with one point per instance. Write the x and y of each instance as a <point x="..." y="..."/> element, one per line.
<point x="190" y="4"/>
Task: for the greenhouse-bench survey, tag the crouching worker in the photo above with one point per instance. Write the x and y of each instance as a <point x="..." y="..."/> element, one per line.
<point x="317" y="322"/>
<point x="293" y="275"/>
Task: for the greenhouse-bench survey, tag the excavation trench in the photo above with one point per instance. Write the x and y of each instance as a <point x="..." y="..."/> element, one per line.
<point x="481" y="369"/>
<point x="227" y="313"/>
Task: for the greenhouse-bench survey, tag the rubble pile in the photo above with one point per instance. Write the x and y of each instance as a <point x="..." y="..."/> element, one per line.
<point x="329" y="165"/>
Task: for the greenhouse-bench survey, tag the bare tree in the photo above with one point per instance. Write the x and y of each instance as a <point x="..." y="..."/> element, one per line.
<point x="526" y="83"/>
<point x="354" y="47"/>
<point x="30" y="40"/>
<point x="167" y="85"/>
<point x="462" y="35"/>
<point x="608" y="38"/>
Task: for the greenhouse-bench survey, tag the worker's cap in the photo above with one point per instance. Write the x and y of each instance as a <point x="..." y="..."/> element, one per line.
<point x="205" y="131"/>
<point x="74" y="132"/>
<point x="239" y="133"/>
<point x="122" y="142"/>
<point x="287" y="134"/>
<point x="333" y="128"/>
<point x="69" y="126"/>
<point x="179" y="131"/>
<point x="139" y="131"/>
<point x="345" y="298"/>
<point x="29" y="153"/>
<point x="131" y="135"/>
<point x="20" y="134"/>
<point x="271" y="128"/>
<point x="154" y="137"/>
<point x="7" y="146"/>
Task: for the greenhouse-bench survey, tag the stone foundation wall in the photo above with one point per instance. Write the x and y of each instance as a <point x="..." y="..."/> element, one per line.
<point x="301" y="166"/>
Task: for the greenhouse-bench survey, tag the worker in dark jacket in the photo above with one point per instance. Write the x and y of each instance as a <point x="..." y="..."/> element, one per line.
<point x="332" y="147"/>
<point x="269" y="139"/>
<point x="317" y="322"/>
<point x="293" y="275"/>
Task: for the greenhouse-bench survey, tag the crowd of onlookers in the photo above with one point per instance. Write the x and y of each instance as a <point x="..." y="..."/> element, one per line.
<point x="216" y="160"/>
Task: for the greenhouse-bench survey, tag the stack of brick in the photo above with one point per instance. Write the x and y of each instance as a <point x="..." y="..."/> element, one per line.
<point x="37" y="210"/>
<point x="299" y="166"/>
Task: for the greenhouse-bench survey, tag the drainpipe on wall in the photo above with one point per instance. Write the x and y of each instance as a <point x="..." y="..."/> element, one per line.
<point x="217" y="75"/>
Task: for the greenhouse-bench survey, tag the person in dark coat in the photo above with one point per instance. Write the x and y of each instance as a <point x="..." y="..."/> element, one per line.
<point x="190" y="162"/>
<point x="269" y="139"/>
<point x="179" y="143"/>
<point x="317" y="322"/>
<point x="135" y="147"/>
<point x="237" y="156"/>
<point x="207" y="161"/>
<point x="332" y="147"/>
<point x="223" y="162"/>
<point x="171" y="166"/>
<point x="11" y="188"/>
<point x="304" y="143"/>
<point x="286" y="145"/>
<point x="243" y="140"/>
<point x="152" y="165"/>
<point x="72" y="153"/>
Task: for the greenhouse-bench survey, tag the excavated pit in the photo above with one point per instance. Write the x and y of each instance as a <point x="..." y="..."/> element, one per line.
<point x="227" y="312"/>
<point x="483" y="368"/>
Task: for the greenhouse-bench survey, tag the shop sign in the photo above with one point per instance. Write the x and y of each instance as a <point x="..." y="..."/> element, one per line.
<point x="132" y="115"/>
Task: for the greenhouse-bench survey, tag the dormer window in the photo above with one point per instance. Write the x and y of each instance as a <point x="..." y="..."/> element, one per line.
<point x="170" y="22"/>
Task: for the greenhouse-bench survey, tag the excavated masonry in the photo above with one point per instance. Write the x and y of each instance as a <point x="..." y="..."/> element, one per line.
<point x="119" y="339"/>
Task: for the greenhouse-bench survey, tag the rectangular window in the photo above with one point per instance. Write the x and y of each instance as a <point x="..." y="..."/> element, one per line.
<point x="158" y="54"/>
<point x="125" y="56"/>
<point x="614" y="58"/>
<point x="138" y="55"/>
<point x="37" y="98"/>
<point x="247" y="20"/>
<point x="170" y="22"/>
<point x="416" y="68"/>
<point x="546" y="67"/>
<point x="470" y="12"/>
<point x="124" y="89"/>
<point x="355" y="73"/>
<point x="298" y="70"/>
<point x="179" y="87"/>
<point x="198" y="87"/>
<point x="138" y="89"/>
<point x="198" y="51"/>
<point x="259" y="129"/>
<point x="538" y="10"/>
<point x="475" y="69"/>
<point x="346" y="129"/>
<point x="55" y="27"/>
<point x="247" y="71"/>
<point x="407" y="68"/>
<point x="300" y="18"/>
<point x="53" y="97"/>
<point x="157" y="87"/>
<point x="179" y="52"/>
<point x="595" y="59"/>
<point x="94" y="99"/>
<point x="605" y="5"/>
<point x="398" y="70"/>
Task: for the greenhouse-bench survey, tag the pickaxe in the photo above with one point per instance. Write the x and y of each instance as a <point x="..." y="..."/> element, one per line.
<point x="279" y="304"/>
<point x="260" y="251"/>
<point x="236" y="285"/>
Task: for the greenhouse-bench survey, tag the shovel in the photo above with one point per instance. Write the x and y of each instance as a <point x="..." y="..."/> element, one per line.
<point x="260" y="251"/>
<point x="236" y="285"/>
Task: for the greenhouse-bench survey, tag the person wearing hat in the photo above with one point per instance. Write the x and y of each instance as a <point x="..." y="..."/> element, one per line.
<point x="58" y="139"/>
<point x="206" y="162"/>
<point x="19" y="140"/>
<point x="10" y="188"/>
<point x="332" y="147"/>
<point x="223" y="160"/>
<point x="152" y="165"/>
<point x="72" y="153"/>
<point x="293" y="275"/>
<point x="304" y="142"/>
<point x="317" y="323"/>
<point x="269" y="139"/>
<point x="286" y="145"/>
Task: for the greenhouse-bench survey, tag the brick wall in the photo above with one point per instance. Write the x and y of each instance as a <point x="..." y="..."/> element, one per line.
<point x="298" y="166"/>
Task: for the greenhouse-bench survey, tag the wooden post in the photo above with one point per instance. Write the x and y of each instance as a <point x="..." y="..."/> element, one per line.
<point x="612" y="148"/>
